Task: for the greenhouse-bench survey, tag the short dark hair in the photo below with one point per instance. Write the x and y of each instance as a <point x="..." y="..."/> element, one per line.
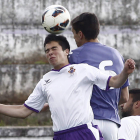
<point x="135" y="94"/>
<point x="62" y="41"/>
<point x="87" y="23"/>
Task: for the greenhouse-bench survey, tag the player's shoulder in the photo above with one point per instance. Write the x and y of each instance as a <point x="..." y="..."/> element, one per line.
<point x="126" y="118"/>
<point x="127" y="122"/>
<point x="77" y="50"/>
<point x="48" y="74"/>
<point x="129" y="119"/>
<point x="112" y="49"/>
<point x="109" y="48"/>
<point x="135" y="118"/>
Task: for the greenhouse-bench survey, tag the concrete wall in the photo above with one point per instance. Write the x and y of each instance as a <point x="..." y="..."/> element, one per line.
<point x="22" y="37"/>
<point x="22" y="12"/>
<point x="25" y="45"/>
<point x="26" y="131"/>
<point x="18" y="81"/>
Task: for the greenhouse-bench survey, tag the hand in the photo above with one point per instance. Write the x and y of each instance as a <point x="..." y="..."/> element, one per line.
<point x="129" y="66"/>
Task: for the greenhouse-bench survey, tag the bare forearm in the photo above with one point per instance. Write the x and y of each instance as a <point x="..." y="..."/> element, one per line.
<point x="118" y="80"/>
<point x="124" y="96"/>
<point x="17" y="111"/>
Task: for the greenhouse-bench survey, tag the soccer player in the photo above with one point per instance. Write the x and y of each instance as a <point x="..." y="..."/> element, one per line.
<point x="67" y="89"/>
<point x="130" y="124"/>
<point x="85" y="28"/>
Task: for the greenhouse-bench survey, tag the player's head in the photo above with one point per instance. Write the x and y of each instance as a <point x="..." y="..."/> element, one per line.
<point x="88" y="24"/>
<point x="132" y="106"/>
<point x="62" y="41"/>
<point x="57" y="49"/>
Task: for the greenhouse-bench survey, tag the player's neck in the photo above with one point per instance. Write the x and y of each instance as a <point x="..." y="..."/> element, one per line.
<point x="94" y="40"/>
<point x="136" y="113"/>
<point x="91" y="40"/>
<point x="83" y="41"/>
<point x="60" y="66"/>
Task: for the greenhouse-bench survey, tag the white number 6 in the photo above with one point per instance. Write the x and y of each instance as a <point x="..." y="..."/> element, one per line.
<point x="102" y="66"/>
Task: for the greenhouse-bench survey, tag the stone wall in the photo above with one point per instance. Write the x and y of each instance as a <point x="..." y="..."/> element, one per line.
<point x="28" y="12"/>
<point x="18" y="81"/>
<point x="28" y="132"/>
<point x="22" y="35"/>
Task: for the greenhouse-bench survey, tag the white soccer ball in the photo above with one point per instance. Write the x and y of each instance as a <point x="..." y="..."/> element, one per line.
<point x="55" y="19"/>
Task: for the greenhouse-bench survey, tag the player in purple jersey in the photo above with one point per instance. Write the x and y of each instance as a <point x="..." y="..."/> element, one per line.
<point x="85" y="28"/>
<point x="130" y="123"/>
<point x="68" y="89"/>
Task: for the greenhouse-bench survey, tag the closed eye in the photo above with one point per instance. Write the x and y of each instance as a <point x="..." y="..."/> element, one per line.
<point x="46" y="51"/>
<point x="53" y="48"/>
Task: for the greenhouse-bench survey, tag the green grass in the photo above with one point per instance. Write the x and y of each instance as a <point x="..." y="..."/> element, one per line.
<point x="39" y="62"/>
<point x="33" y="120"/>
<point x="2" y="123"/>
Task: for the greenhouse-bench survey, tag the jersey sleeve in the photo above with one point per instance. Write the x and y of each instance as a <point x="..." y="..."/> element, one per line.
<point x="37" y="99"/>
<point x="98" y="77"/>
<point x="128" y="130"/>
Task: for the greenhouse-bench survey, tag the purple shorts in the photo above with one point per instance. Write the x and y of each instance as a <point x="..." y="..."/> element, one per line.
<point x="81" y="132"/>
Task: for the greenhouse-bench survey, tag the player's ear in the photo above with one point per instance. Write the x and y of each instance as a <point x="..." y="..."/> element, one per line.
<point x="137" y="104"/>
<point x="80" y="34"/>
<point x="67" y="51"/>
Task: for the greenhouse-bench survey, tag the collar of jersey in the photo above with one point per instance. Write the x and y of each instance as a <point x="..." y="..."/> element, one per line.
<point x="91" y="43"/>
<point x="61" y="68"/>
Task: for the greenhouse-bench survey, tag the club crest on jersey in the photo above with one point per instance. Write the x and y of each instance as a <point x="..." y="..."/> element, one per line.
<point x="72" y="70"/>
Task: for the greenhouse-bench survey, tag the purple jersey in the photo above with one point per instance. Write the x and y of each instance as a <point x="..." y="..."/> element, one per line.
<point x="109" y="60"/>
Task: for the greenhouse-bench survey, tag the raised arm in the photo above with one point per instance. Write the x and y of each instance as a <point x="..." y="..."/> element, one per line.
<point x="17" y="111"/>
<point x="124" y="95"/>
<point x="118" y="80"/>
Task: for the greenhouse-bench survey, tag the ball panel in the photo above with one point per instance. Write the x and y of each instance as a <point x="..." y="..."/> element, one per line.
<point x="43" y="16"/>
<point x="65" y="23"/>
<point x="57" y="12"/>
<point x="57" y="29"/>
